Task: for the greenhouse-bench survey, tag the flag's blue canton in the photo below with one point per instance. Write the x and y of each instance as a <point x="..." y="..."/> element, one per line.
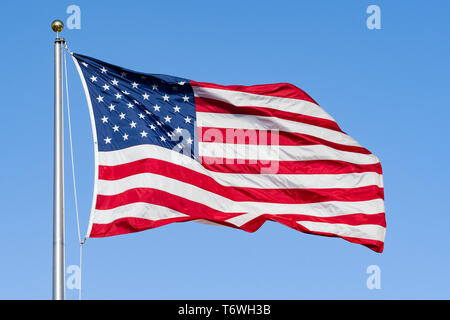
<point x="133" y="108"/>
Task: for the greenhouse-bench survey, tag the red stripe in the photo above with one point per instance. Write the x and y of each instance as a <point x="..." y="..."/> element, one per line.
<point x="256" y="223"/>
<point x="282" y="90"/>
<point x="129" y="225"/>
<point x="206" y="182"/>
<point x="264" y="137"/>
<point x="286" y="167"/>
<point x="351" y="219"/>
<point x="161" y="198"/>
<point x="216" y="106"/>
<point x="196" y="210"/>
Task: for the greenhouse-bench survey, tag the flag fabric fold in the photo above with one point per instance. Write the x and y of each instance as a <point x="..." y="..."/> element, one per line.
<point x="169" y="149"/>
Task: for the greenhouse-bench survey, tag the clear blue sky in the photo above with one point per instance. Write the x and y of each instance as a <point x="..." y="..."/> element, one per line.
<point x="387" y="88"/>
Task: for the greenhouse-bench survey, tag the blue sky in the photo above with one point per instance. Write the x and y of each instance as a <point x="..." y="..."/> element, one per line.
<point x="387" y="88"/>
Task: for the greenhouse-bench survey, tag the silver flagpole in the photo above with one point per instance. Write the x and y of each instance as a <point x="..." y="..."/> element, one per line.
<point x="58" y="174"/>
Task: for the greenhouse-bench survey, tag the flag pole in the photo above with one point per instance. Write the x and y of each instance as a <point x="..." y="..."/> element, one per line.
<point x="58" y="173"/>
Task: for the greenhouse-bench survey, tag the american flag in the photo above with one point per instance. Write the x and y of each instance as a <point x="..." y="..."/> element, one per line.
<point x="169" y="149"/>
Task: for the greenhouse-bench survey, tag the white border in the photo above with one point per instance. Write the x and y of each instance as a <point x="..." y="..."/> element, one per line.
<point x="94" y="135"/>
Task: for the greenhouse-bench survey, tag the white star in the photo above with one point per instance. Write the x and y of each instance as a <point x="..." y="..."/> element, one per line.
<point x="118" y="95"/>
<point x="141" y="116"/>
<point x="167" y="118"/>
<point x="162" y="138"/>
<point x="104" y="119"/>
<point x="135" y="85"/>
<point x="187" y="120"/>
<point x="116" y="128"/>
<point x="166" y="97"/>
<point x="143" y="134"/>
<point x="99" y="98"/>
<point x="178" y="130"/>
<point x="122" y="115"/>
<point x="84" y="64"/>
<point x="93" y="79"/>
<point x="176" y="109"/>
<point x="185" y="98"/>
<point x="145" y="95"/>
<point x="133" y="124"/>
<point x="152" y="127"/>
<point x="147" y="112"/>
<point x="125" y="92"/>
<point x="125" y="137"/>
<point x="156" y="107"/>
<point x="181" y="83"/>
<point x="158" y="123"/>
<point x="107" y="140"/>
<point x="103" y="70"/>
<point x="114" y="82"/>
<point x="124" y="74"/>
<point x="111" y="107"/>
<point x="155" y="87"/>
<point x="106" y="87"/>
<point x="135" y="101"/>
<point x="130" y="105"/>
<point x="189" y="141"/>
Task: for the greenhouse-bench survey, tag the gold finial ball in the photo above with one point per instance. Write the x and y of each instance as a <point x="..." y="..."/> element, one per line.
<point x="57" y="25"/>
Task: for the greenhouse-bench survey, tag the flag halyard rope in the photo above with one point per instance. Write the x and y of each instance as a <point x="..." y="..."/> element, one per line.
<point x="81" y="241"/>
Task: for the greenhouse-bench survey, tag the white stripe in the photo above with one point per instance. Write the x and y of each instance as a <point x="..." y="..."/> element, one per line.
<point x="298" y="181"/>
<point x="148" y="151"/>
<point x="294" y="181"/>
<point x="268" y="181"/>
<point x="368" y="231"/>
<point x="220" y="203"/>
<point x="136" y="210"/>
<point x="244" y="99"/>
<point x="245" y="121"/>
<point x="281" y="153"/>
<point x="208" y="222"/>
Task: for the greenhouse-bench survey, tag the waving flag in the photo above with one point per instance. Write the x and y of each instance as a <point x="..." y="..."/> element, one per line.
<point x="169" y="149"/>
